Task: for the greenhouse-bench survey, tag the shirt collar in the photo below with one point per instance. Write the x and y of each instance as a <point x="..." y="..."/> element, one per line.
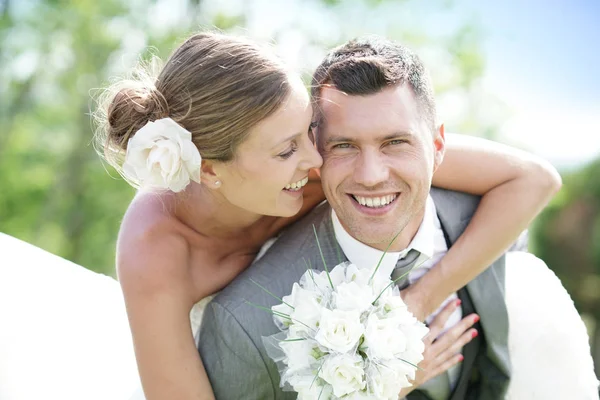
<point x="365" y="256"/>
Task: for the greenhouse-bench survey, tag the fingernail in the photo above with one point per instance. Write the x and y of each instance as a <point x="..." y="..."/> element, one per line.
<point x="474" y="334"/>
<point x="460" y="358"/>
<point x="458" y="302"/>
<point x="475" y="318"/>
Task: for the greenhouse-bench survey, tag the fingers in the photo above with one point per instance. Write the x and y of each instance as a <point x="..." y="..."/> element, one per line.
<point x="453" y="338"/>
<point x="440" y="320"/>
<point x="456" y="345"/>
<point x="445" y="365"/>
<point x="443" y="353"/>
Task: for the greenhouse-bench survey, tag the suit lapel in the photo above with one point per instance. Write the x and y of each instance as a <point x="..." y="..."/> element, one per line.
<point x="487" y="290"/>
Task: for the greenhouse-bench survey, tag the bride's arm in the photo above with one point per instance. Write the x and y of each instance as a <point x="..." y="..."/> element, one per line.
<point x="153" y="273"/>
<point x="515" y="186"/>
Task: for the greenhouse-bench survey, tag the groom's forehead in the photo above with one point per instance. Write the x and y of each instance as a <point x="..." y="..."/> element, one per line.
<point x="333" y="102"/>
<point x="391" y="109"/>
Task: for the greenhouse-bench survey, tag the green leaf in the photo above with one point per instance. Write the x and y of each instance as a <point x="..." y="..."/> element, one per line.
<point x="322" y="256"/>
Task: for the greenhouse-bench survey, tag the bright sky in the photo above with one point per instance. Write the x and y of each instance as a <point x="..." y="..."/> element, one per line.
<point x="543" y="59"/>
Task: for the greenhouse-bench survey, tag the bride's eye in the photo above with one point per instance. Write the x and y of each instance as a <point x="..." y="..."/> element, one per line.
<point x="290" y="152"/>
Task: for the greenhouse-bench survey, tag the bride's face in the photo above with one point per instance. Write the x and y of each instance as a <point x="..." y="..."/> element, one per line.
<point x="271" y="166"/>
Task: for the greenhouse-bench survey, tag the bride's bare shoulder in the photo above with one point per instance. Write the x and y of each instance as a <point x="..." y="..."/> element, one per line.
<point x="152" y="253"/>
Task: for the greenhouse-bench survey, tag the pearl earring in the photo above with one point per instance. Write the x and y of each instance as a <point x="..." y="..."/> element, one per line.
<point x="217" y="183"/>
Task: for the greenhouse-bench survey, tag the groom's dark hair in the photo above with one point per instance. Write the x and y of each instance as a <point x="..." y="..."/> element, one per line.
<point x="367" y="65"/>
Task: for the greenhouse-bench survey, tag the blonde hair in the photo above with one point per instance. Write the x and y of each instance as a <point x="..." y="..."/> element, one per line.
<point x="215" y="86"/>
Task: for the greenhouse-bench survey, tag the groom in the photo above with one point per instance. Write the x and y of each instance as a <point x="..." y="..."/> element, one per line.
<point x="377" y="135"/>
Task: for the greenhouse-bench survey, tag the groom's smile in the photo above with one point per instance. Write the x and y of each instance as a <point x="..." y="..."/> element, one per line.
<point x="378" y="161"/>
<point x="374" y="204"/>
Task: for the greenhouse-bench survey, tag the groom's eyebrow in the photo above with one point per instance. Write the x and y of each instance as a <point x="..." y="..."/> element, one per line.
<point x="338" y="139"/>
<point x="346" y="139"/>
<point x="396" y="135"/>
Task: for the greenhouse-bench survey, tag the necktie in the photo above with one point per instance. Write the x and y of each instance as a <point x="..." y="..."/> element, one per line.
<point x="403" y="266"/>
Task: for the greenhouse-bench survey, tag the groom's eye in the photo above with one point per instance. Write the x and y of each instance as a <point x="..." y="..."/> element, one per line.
<point x="341" y="146"/>
<point x="396" y="142"/>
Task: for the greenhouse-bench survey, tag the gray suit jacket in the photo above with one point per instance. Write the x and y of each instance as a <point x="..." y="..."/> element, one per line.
<point x="230" y="343"/>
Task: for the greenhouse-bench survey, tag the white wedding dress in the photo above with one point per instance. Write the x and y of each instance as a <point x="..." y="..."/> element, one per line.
<point x="64" y="332"/>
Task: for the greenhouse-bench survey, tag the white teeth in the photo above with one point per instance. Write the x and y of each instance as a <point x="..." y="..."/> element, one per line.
<point x="297" y="185"/>
<point x="375" y="202"/>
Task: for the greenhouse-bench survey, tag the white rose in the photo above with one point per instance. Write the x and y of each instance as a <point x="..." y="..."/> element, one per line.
<point x="337" y="274"/>
<point x="358" y="395"/>
<point x="384" y="339"/>
<point x="415" y="347"/>
<point x="351" y="296"/>
<point x="405" y="373"/>
<point x="282" y="314"/>
<point x="386" y="381"/>
<point x="299" y="354"/>
<point x="307" y="310"/>
<point x="302" y="306"/>
<point x="339" y="330"/>
<point x="161" y="155"/>
<point x="344" y="372"/>
<point x="393" y="306"/>
<point x="309" y="388"/>
<point x="359" y="275"/>
<point x="316" y="282"/>
<point x="368" y="277"/>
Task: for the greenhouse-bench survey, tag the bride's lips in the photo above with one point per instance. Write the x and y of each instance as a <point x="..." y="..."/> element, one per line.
<point x="297" y="188"/>
<point x="294" y="193"/>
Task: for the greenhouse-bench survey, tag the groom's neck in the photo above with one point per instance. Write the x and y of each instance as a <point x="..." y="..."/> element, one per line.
<point x="402" y="240"/>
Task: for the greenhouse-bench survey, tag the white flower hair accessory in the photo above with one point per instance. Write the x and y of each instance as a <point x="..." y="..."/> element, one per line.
<point x="161" y="155"/>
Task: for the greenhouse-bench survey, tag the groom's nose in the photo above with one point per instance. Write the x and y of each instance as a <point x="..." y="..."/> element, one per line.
<point x="370" y="169"/>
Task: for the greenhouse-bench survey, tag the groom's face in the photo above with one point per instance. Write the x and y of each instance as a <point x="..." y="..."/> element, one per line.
<point x="379" y="155"/>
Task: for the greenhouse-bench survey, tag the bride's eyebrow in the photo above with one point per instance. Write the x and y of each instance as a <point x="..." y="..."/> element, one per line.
<point x="289" y="138"/>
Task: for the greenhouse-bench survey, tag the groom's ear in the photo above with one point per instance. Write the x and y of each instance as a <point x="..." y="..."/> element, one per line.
<point x="439" y="146"/>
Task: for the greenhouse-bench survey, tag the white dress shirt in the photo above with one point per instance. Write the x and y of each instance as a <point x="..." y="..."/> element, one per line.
<point x="430" y="242"/>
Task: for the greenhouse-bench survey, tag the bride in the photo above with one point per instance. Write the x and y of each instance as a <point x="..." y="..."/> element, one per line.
<point x="220" y="146"/>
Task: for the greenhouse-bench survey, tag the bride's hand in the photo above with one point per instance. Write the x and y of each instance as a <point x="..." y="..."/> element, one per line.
<point x="442" y="351"/>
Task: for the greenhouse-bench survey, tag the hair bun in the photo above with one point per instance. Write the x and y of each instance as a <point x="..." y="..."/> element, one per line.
<point x="132" y="108"/>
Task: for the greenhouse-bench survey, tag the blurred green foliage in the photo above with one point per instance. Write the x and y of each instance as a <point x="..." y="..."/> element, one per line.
<point x="567" y="237"/>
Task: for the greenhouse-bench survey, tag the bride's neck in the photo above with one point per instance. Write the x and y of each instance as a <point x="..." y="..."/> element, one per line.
<point x="212" y="215"/>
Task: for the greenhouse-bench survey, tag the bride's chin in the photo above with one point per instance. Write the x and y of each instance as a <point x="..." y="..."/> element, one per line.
<point x="289" y="211"/>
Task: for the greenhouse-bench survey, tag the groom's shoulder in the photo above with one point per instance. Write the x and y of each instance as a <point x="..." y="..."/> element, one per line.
<point x="281" y="265"/>
<point x="460" y="205"/>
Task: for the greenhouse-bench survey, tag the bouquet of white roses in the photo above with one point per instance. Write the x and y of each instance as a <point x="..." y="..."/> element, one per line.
<point x="345" y="334"/>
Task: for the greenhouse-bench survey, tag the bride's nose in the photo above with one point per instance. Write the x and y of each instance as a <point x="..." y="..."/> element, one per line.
<point x="312" y="158"/>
